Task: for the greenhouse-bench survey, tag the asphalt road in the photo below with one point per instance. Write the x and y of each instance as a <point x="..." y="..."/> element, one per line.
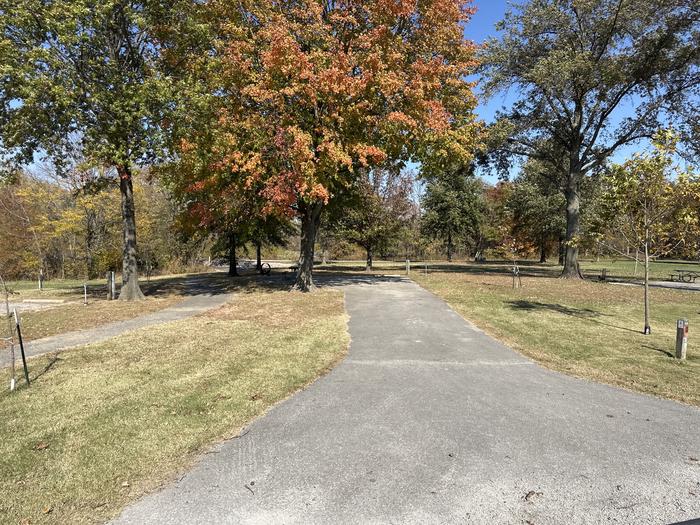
<point x="430" y="421"/>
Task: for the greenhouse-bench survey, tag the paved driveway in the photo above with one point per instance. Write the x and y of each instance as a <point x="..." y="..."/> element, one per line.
<point x="430" y="421"/>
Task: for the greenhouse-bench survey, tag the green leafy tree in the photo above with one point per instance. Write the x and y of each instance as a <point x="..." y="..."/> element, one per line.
<point x="83" y="75"/>
<point x="453" y="210"/>
<point x="592" y="76"/>
<point x="381" y="212"/>
<point x="538" y="207"/>
<point x="641" y="200"/>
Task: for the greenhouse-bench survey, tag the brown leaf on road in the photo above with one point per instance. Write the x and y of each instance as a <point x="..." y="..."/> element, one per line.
<point x="528" y="497"/>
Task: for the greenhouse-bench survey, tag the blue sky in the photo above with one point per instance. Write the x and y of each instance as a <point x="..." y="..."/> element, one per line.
<point x="481" y="27"/>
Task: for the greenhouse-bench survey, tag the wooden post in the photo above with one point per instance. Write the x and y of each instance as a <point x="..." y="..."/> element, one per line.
<point x="408" y="267"/>
<point x="41" y="280"/>
<point x="681" y="338"/>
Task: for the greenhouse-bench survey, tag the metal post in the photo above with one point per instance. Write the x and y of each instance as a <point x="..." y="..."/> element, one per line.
<point x="681" y="338"/>
<point x="21" y="348"/>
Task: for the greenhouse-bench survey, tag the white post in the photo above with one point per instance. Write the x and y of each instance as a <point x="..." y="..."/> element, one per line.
<point x="113" y="279"/>
<point x="85" y="294"/>
<point x="681" y="338"/>
<point x="408" y="266"/>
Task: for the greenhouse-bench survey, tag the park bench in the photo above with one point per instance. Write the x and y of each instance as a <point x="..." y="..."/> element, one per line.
<point x="684" y="276"/>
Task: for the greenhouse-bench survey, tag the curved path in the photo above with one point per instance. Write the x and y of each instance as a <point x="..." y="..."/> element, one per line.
<point x="203" y="296"/>
<point x="428" y="420"/>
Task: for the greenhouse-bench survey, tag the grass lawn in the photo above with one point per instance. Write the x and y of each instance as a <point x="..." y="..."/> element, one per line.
<point x="587" y="329"/>
<point x="622" y="269"/>
<point x="76" y="316"/>
<point x="104" y="424"/>
<point x="161" y="292"/>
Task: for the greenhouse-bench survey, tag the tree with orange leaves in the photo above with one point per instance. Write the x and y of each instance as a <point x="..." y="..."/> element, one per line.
<point x="300" y="98"/>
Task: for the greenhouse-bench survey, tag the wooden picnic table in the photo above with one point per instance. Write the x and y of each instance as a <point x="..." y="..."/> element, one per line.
<point x="684" y="276"/>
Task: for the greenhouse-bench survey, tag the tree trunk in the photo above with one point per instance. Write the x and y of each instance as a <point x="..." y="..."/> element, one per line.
<point x="368" y="264"/>
<point x="232" y="263"/>
<point x="130" y="277"/>
<point x="449" y="246"/>
<point x="647" y="323"/>
<point x="310" y="220"/>
<point x="543" y="251"/>
<point x="258" y="257"/>
<point x="573" y="228"/>
<point x="562" y="251"/>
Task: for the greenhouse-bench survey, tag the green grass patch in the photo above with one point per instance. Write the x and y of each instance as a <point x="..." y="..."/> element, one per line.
<point x="104" y="424"/>
<point x="587" y="329"/>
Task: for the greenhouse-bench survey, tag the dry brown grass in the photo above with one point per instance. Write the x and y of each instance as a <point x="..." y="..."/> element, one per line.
<point x="104" y="424"/>
<point x="76" y="316"/>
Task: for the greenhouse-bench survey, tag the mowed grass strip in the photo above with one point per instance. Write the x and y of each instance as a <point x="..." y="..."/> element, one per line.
<point x="586" y="329"/>
<point x="104" y="424"/>
<point x="77" y="316"/>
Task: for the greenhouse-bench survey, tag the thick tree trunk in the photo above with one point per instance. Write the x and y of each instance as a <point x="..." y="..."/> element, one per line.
<point x="130" y="277"/>
<point x="573" y="228"/>
<point x="647" y="322"/>
<point x="232" y="263"/>
<point x="368" y="264"/>
<point x="258" y="257"/>
<point x="543" y="251"/>
<point x="310" y="219"/>
<point x="449" y="246"/>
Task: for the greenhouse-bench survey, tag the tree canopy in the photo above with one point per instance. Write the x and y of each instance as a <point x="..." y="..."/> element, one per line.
<point x="591" y="77"/>
<point x="310" y="95"/>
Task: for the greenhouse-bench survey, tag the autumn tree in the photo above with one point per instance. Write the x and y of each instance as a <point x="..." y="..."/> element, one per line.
<point x="83" y="75"/>
<point x="591" y="76"/>
<point x="643" y="204"/>
<point x="311" y="95"/>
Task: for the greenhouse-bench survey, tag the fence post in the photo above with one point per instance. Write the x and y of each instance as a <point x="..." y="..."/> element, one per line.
<point x="681" y="338"/>
<point x="408" y="266"/>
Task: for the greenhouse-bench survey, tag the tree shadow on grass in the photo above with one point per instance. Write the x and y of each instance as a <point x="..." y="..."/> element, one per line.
<point x="657" y="349"/>
<point x="585" y="314"/>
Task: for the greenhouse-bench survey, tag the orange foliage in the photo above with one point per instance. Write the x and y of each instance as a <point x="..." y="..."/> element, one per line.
<point x="309" y="94"/>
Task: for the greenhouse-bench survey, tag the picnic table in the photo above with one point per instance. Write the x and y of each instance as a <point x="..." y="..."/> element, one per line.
<point x="684" y="276"/>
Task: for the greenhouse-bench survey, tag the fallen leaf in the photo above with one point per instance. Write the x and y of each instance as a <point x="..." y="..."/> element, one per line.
<point x="531" y="495"/>
<point x="125" y="484"/>
<point x="48" y="510"/>
<point x="41" y="446"/>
